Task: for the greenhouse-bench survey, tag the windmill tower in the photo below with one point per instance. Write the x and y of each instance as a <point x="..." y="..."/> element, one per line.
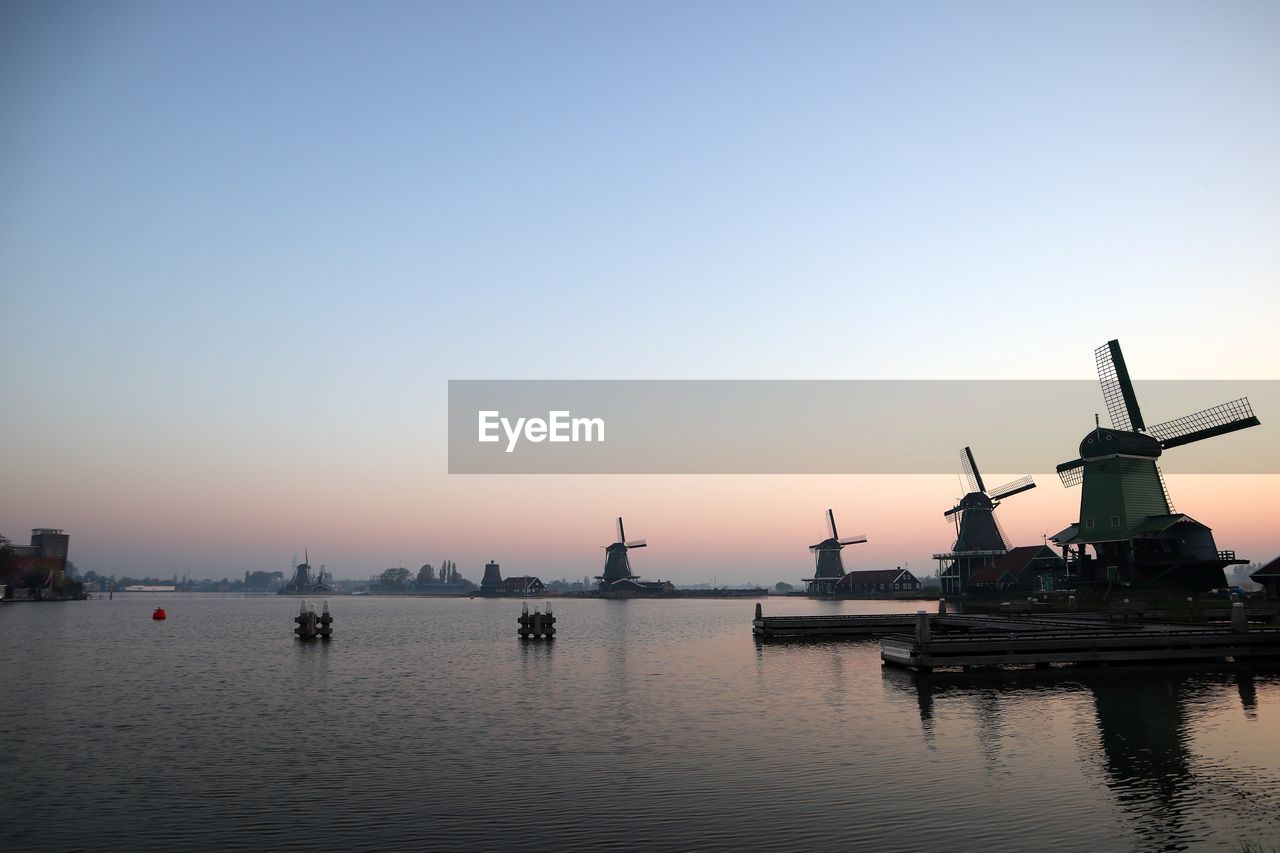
<point x="616" y="565"/>
<point x="1125" y="512"/>
<point x="828" y="567"/>
<point x="492" y="580"/>
<point x="979" y="537"/>
<point x="302" y="580"/>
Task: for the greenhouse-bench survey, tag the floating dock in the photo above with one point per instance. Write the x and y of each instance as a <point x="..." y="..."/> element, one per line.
<point x="879" y="625"/>
<point x="924" y="641"/>
<point x="884" y="624"/>
<point x="1103" y="645"/>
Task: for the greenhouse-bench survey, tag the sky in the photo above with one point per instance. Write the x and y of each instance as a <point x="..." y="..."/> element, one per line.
<point x="244" y="246"/>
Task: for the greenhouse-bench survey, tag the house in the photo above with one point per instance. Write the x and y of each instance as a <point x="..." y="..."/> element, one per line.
<point x="878" y="583"/>
<point x="1028" y="568"/>
<point x="521" y="585"/>
<point x="1269" y="577"/>
<point x="1032" y="568"/>
<point x="992" y="580"/>
<point x="634" y="587"/>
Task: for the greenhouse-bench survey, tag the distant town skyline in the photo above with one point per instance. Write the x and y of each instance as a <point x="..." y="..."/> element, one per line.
<point x="243" y="248"/>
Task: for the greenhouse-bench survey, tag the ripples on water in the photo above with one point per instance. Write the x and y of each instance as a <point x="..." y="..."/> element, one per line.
<point x="646" y="724"/>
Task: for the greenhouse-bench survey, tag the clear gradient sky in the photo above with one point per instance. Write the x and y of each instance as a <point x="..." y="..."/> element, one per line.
<point x="243" y="246"/>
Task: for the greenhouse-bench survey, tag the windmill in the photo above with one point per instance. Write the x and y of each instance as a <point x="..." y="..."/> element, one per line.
<point x="976" y="526"/>
<point x="616" y="565"/>
<point x="1125" y="512"/>
<point x="302" y="580"/>
<point x="979" y="536"/>
<point x="828" y="566"/>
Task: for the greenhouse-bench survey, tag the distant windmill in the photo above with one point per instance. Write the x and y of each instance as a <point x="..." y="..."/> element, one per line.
<point x="828" y="565"/>
<point x="1125" y="511"/>
<point x="976" y="526"/>
<point x="616" y="565"/>
<point x="302" y="580"/>
<point x="980" y="539"/>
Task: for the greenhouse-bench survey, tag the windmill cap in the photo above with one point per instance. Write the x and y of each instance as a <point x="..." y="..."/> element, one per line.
<point x="1109" y="442"/>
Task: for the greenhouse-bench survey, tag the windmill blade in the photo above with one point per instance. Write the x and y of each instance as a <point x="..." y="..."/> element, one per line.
<point x="639" y="543"/>
<point x="831" y="524"/>
<point x="1217" y="420"/>
<point x="1072" y="473"/>
<point x="951" y="511"/>
<point x="971" y="471"/>
<point x="853" y="540"/>
<point x="1021" y="484"/>
<point x="1117" y="388"/>
<point x="621" y="536"/>
<point x="1004" y="537"/>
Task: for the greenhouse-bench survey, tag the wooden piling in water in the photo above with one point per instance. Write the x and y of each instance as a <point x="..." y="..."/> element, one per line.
<point x="1239" y="619"/>
<point x="306" y="621"/>
<point x="326" y="623"/>
<point x="311" y="626"/>
<point x="536" y="625"/>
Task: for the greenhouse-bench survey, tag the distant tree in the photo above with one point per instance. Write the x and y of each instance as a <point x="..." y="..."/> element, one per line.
<point x="8" y="563"/>
<point x="393" y="579"/>
<point x="783" y="586"/>
<point x="263" y="580"/>
<point x="426" y="575"/>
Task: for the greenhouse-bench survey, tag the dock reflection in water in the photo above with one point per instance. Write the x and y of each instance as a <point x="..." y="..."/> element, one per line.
<point x="1166" y="740"/>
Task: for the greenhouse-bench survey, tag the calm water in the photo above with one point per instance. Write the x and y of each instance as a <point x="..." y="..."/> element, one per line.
<point x="647" y="724"/>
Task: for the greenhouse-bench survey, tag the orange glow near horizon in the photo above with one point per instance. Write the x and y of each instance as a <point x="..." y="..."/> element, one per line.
<point x="735" y="529"/>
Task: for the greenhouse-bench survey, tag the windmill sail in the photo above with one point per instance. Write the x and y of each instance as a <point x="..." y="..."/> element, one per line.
<point x="1216" y="420"/>
<point x="1021" y="484"/>
<point x="1117" y="388"/>
<point x="1071" y="473"/>
<point x="971" y="471"/>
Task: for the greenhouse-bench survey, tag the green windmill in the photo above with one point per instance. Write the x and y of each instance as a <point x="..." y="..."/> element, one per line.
<point x="1125" y="513"/>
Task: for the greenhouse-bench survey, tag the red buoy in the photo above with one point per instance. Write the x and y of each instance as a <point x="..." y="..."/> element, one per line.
<point x="159" y="613"/>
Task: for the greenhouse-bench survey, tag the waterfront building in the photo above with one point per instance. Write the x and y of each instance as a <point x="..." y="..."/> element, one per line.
<point x="1027" y="568"/>
<point x="523" y="585"/>
<point x="877" y="583"/>
<point x="1269" y="577"/>
<point x="493" y="583"/>
<point x="46" y="556"/>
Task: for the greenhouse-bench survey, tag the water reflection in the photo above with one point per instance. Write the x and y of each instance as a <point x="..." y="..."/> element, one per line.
<point x="1141" y="741"/>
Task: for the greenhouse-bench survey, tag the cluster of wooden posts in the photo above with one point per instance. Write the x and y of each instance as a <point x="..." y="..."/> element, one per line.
<point x="536" y="625"/>
<point x="313" y="626"/>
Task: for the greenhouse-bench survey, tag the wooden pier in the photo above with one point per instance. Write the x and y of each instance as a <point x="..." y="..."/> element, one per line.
<point x="879" y="625"/>
<point x="1081" y="644"/>
<point x="924" y="641"/>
